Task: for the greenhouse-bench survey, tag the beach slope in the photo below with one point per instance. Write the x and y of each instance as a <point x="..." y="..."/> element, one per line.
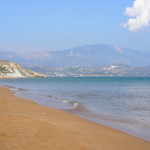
<point x="25" y="125"/>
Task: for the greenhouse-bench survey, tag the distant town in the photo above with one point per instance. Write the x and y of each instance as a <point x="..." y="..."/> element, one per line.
<point x="120" y="70"/>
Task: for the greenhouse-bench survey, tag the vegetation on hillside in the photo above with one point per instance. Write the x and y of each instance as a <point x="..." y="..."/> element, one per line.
<point x="3" y="70"/>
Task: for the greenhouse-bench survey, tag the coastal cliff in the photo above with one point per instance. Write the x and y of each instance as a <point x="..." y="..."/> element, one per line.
<point x="12" y="70"/>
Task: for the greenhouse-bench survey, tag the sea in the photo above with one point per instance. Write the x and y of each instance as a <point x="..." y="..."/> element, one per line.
<point x="122" y="103"/>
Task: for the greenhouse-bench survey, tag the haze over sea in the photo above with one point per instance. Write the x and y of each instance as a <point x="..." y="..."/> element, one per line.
<point x="122" y="103"/>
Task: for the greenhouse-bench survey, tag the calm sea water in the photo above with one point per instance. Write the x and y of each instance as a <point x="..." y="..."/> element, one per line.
<point x="122" y="103"/>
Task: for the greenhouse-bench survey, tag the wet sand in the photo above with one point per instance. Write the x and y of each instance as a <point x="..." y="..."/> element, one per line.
<point x="25" y="125"/>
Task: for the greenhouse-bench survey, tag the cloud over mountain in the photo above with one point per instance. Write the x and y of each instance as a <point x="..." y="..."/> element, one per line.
<point x="140" y="15"/>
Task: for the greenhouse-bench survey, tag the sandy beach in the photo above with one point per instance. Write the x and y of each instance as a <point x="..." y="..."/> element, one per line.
<point x="25" y="125"/>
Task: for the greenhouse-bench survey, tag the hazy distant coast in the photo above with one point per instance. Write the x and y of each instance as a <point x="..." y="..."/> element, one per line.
<point x="114" y="70"/>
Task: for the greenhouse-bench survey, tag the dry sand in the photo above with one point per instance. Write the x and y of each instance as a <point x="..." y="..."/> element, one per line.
<point x="25" y="125"/>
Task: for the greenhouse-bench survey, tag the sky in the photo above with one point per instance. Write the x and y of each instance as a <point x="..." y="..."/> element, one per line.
<point x="52" y="25"/>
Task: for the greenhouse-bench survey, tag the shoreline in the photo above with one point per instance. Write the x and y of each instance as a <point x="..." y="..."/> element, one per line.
<point x="85" y="112"/>
<point x="27" y="125"/>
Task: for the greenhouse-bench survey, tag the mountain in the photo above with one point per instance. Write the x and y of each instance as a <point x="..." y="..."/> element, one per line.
<point x="13" y="70"/>
<point x="89" y="55"/>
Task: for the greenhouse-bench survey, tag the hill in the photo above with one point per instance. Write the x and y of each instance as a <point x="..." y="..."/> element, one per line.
<point x="13" y="70"/>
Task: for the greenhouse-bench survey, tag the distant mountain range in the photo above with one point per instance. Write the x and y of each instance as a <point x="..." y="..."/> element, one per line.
<point x="89" y="55"/>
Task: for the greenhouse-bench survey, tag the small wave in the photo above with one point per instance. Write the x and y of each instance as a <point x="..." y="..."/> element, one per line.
<point x="8" y="86"/>
<point x="50" y="96"/>
<point x="75" y="105"/>
<point x="14" y="88"/>
<point x="80" y="107"/>
<point x="21" y="89"/>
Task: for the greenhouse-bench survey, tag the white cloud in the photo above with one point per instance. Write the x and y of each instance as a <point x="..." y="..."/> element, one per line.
<point x="140" y="15"/>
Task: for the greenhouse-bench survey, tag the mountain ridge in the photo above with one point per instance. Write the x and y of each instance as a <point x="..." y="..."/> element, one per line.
<point x="88" y="55"/>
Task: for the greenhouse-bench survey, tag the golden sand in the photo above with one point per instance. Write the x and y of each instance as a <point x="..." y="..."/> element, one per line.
<point x="25" y="125"/>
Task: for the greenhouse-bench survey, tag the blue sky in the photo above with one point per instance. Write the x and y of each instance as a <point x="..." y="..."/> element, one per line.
<point x="51" y="25"/>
